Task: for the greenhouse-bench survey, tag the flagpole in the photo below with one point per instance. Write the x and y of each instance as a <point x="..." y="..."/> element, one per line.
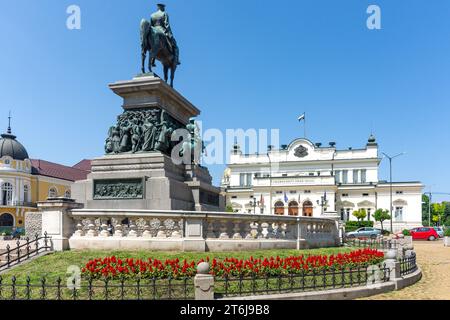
<point x="304" y="128"/>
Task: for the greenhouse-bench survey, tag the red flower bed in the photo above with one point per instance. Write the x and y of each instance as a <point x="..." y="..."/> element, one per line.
<point x="115" y="268"/>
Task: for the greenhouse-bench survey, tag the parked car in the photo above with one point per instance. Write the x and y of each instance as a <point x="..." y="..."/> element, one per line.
<point x="425" y="233"/>
<point x="439" y="231"/>
<point x="366" y="232"/>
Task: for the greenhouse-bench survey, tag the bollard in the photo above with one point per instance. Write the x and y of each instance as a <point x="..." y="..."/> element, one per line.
<point x="204" y="283"/>
<point x="393" y="264"/>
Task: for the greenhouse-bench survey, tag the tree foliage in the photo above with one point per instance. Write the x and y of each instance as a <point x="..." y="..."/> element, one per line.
<point x="360" y="214"/>
<point x="381" y="215"/>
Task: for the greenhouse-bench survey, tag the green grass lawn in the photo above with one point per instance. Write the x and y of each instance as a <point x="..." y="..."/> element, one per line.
<point x="55" y="265"/>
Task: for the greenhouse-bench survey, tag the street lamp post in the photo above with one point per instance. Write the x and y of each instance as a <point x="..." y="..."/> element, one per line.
<point x="254" y="204"/>
<point x="270" y="181"/>
<point x="323" y="202"/>
<point x="391" y="189"/>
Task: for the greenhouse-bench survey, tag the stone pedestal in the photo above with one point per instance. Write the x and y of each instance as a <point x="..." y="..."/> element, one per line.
<point x="204" y="283"/>
<point x="149" y="180"/>
<point x="57" y="222"/>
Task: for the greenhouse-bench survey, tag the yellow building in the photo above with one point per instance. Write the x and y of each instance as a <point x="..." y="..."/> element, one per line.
<point x="24" y="182"/>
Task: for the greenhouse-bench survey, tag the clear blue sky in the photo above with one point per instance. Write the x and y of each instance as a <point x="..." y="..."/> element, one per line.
<point x="246" y="64"/>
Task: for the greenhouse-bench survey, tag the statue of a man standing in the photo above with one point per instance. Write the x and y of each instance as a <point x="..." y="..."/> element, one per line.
<point x="160" y="21"/>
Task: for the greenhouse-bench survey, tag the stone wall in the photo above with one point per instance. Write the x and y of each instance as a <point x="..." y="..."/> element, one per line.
<point x="33" y="224"/>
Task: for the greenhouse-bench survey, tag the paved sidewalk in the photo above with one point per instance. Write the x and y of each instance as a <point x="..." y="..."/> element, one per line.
<point x="434" y="260"/>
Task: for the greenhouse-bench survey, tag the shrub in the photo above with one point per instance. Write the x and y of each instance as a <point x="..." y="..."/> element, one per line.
<point x="229" y="209"/>
<point x="447" y="232"/>
<point x="406" y="233"/>
<point x="354" y="225"/>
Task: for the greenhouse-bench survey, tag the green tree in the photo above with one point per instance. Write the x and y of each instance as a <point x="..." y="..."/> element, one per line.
<point x="381" y="215"/>
<point x="229" y="209"/>
<point x="425" y="208"/>
<point x="438" y="212"/>
<point x="360" y="214"/>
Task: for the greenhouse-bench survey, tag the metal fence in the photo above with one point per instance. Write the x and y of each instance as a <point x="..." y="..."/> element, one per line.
<point x="305" y="281"/>
<point x="24" y="250"/>
<point x="408" y="264"/>
<point x="57" y="289"/>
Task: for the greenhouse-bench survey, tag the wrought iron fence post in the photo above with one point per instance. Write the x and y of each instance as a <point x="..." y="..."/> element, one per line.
<point x="28" y="247"/>
<point x="43" y="288"/>
<point x="18" y="251"/>
<point x="8" y="255"/>
<point x="90" y="290"/>
<point x="122" y="289"/>
<point x="36" y="243"/>
<point x="58" y="288"/>
<point x="13" y="288"/>
<point x="138" y="288"/>
<point x="74" y="284"/>
<point x="28" y="289"/>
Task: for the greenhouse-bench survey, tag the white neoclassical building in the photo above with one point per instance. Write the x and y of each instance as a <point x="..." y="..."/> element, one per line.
<point x="313" y="180"/>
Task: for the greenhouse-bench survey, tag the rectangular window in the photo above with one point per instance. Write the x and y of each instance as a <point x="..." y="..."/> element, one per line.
<point x="399" y="192"/>
<point x="249" y="180"/>
<point x="345" y="195"/>
<point x="337" y="176"/>
<point x="355" y="176"/>
<point x="399" y="213"/>
<point x="307" y="191"/>
<point x="365" y="194"/>
<point x="363" y="176"/>
<point x="345" y="176"/>
<point x="242" y="179"/>
<point x="246" y="179"/>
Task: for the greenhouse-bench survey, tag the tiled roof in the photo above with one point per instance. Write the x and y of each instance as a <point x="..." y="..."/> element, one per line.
<point x="84" y="165"/>
<point x="54" y="170"/>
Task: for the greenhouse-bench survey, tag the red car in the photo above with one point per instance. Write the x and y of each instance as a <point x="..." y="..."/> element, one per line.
<point x="424" y="234"/>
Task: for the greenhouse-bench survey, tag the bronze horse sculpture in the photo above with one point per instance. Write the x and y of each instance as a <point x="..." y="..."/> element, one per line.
<point x="159" y="48"/>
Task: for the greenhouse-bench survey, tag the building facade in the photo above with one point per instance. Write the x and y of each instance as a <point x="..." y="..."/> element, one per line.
<point x="24" y="182"/>
<point x="306" y="179"/>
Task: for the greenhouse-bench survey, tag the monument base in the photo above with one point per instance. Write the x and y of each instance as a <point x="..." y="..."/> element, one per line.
<point x="164" y="185"/>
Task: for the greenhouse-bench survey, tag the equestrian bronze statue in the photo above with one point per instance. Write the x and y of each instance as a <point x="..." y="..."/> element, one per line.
<point x="157" y="39"/>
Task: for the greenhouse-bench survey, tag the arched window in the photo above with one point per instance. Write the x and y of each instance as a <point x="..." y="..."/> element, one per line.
<point x="293" y="208"/>
<point x="279" y="208"/>
<point x="6" y="220"/>
<point x="7" y="194"/>
<point x="67" y="194"/>
<point x="307" y="209"/>
<point x="52" y="192"/>
<point x="26" y="192"/>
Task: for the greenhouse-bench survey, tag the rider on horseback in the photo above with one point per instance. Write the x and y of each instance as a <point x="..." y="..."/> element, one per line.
<point x="160" y="22"/>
